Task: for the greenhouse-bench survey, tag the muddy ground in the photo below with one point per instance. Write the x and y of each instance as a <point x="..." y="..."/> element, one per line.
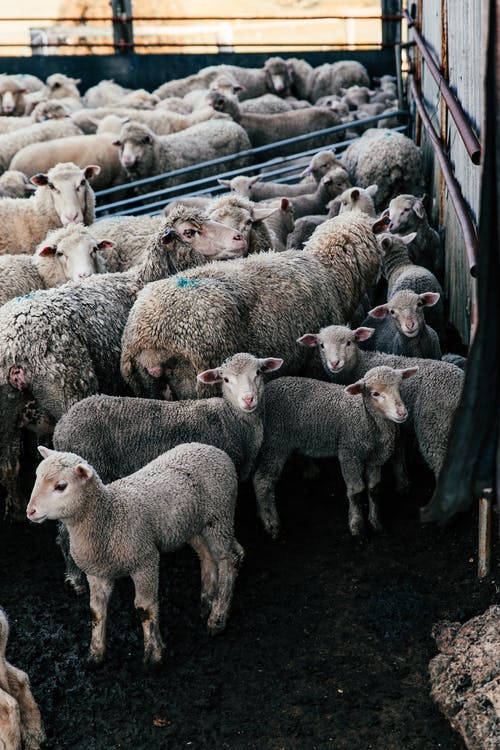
<point x="327" y="645"/>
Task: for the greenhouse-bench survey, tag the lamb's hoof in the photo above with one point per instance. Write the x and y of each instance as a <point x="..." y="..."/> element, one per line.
<point x="95" y="661"/>
<point x="216" y="625"/>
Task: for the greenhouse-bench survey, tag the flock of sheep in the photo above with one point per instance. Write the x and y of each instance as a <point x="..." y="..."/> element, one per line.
<point x="131" y="331"/>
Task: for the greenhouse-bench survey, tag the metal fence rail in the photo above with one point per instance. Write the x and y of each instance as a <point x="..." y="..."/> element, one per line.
<point x="147" y="203"/>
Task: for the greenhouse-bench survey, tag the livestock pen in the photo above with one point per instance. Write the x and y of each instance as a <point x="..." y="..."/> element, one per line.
<point x="330" y="636"/>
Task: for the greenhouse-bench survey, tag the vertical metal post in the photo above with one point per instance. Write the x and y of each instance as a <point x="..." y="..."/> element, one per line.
<point x="123" y="32"/>
<point x="391" y="30"/>
<point x="484" y="542"/>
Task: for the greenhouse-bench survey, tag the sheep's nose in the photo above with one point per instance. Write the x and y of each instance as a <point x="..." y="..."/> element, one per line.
<point x="410" y="324"/>
<point x="401" y="412"/>
<point x="71" y="218"/>
<point x="334" y="363"/>
<point x="84" y="274"/>
<point x="391" y="226"/>
<point x="238" y="237"/>
<point x="248" y="399"/>
<point x="31" y="512"/>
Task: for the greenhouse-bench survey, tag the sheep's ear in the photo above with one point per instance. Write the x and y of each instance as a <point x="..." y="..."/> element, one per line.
<point x="269" y="364"/>
<point x="47" y="251"/>
<point x="259" y="214"/>
<point x="76" y="81"/>
<point x="44" y="452"/>
<point x="355" y="388"/>
<point x="92" y="170"/>
<point x="355" y="194"/>
<point x="372" y="190"/>
<point x="333" y="207"/>
<point x="168" y="237"/>
<point x="225" y="183"/>
<point x="418" y="209"/>
<point x="408" y="372"/>
<point x="379" y="312"/>
<point x="285" y="204"/>
<point x="386" y="242"/>
<point x="210" y="376"/>
<point x="17" y="378"/>
<point x="362" y="333"/>
<point x="106" y="244"/>
<point x="309" y="339"/>
<point x="381" y="224"/>
<point x="39" y="179"/>
<point x="256" y="178"/>
<point x="429" y="298"/>
<point x="83" y="472"/>
<point x="407" y="238"/>
<point x="116" y="143"/>
<point x="307" y="171"/>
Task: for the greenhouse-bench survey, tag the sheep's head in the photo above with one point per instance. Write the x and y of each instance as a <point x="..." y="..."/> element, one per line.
<point x="49" y="110"/>
<point x="380" y="388"/>
<point x="335" y="181"/>
<point x="68" y="188"/>
<point x="321" y="163"/>
<point x="337" y="346"/>
<point x="190" y="227"/>
<point x="406" y="308"/>
<point x="59" y="86"/>
<point x="136" y="143"/>
<point x="222" y="103"/>
<point x="12" y="93"/>
<point x="279" y="76"/>
<point x="406" y="213"/>
<point x="240" y="213"/>
<point x="73" y="254"/>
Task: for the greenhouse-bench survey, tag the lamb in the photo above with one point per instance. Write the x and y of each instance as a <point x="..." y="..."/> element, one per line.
<point x="187" y="495"/>
<point x="388" y="159"/>
<point x="287" y="77"/>
<point x="280" y="224"/>
<point x="401" y="274"/>
<point x="12" y="102"/>
<point x="355" y="96"/>
<point x="321" y="163"/>
<point x="198" y="98"/>
<point x="61" y="345"/>
<point x="57" y="86"/>
<point x="332" y="78"/>
<point x="15" y="184"/>
<point x="67" y="254"/>
<point x="355" y="199"/>
<point x="407" y="214"/>
<point x="253" y="304"/>
<point x="404" y="330"/>
<point x="265" y="129"/>
<point x="106" y="93"/>
<point x="132" y="234"/>
<point x="252" y="80"/>
<point x="143" y="154"/>
<point x="79" y="149"/>
<point x="330" y="186"/>
<point x="322" y="419"/>
<point x="20" y="720"/>
<point x="11" y="143"/>
<point x="63" y="196"/>
<point x="270" y="104"/>
<point x="245" y="217"/>
<point x="255" y="189"/>
<point x="431" y="397"/>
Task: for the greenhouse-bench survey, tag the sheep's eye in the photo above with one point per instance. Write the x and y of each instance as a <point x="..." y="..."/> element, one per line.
<point x="375" y="394"/>
<point x="59" y="254"/>
<point x="82" y="183"/>
<point x="189" y="232"/>
<point x="60" y="486"/>
<point x="419" y="304"/>
<point x="392" y="312"/>
<point x="321" y="346"/>
<point x="348" y="343"/>
<point x="248" y="222"/>
<point x="146" y="139"/>
<point x="51" y="185"/>
<point x="226" y="380"/>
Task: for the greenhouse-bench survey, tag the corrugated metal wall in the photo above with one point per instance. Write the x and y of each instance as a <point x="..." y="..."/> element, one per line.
<point x="452" y="30"/>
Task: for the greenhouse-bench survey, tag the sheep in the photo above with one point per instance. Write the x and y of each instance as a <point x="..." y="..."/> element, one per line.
<point x="161" y="122"/>
<point x="388" y="159"/>
<point x="252" y="80"/>
<point x="57" y="86"/>
<point x="10" y="124"/>
<point x="287" y="77"/>
<point x="354" y="199"/>
<point x="131" y="235"/>
<point x="321" y="163"/>
<point x="265" y="129"/>
<point x="104" y="94"/>
<point x="303" y="230"/>
<point x="455" y="359"/>
<point x="330" y="186"/>
<point x="173" y="104"/>
<point x="432" y="396"/>
<point x="246" y="217"/>
<point x="322" y="419"/>
<point x="139" y="99"/>
<point x="63" y="196"/>
<point x="143" y="154"/>
<point x="331" y="78"/>
<point x="67" y="254"/>
<point x="20" y="720"/>
<point x="355" y="96"/>
<point x="50" y="109"/>
<point x="404" y="330"/>
<point x="12" y="92"/>
<point x="79" y="149"/>
<point x="280" y="224"/>
<point x="401" y="273"/>
<point x="11" y="143"/>
<point x="407" y="214"/>
<point x="255" y="189"/>
<point x="253" y="304"/>
<point x="270" y="104"/>
<point x="15" y="184"/>
<point x="226" y="84"/>
<point x="187" y="495"/>
<point x="61" y="345"/>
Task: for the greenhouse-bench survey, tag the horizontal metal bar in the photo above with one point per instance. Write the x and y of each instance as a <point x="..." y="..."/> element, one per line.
<point x="467" y="135"/>
<point x="147" y="45"/>
<point x="457" y="199"/>
<point x="250" y="152"/>
<point x="133" y="18"/>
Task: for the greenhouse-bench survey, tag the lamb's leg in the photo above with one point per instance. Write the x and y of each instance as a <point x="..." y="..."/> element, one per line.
<point x="146" y="603"/>
<point x="74" y="576"/>
<point x="10" y="722"/>
<point x="228" y="554"/>
<point x="264" y="480"/>
<point x="32" y="733"/>
<point x="100" y="591"/>
<point x="373" y="479"/>
<point x="352" y="472"/>
<point x="208" y="573"/>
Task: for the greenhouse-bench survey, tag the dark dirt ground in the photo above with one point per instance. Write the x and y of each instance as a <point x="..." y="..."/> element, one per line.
<point x="327" y="645"/>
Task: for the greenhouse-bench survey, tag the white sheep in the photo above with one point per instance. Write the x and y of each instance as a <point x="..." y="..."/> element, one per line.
<point x="67" y="254"/>
<point x="323" y="419"/>
<point x="63" y="196"/>
<point x="185" y="496"/>
<point x="11" y="143"/>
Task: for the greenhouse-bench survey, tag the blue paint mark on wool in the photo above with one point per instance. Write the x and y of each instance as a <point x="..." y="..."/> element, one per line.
<point x="183" y="282"/>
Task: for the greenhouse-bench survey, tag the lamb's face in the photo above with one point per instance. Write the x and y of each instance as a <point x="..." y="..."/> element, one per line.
<point x="279" y="76"/>
<point x="405" y="212"/>
<point x="380" y="388"/>
<point x="12" y="101"/>
<point x="407" y="311"/>
<point x="59" y="488"/>
<point x="337" y="346"/>
<point x="241" y="378"/>
<point x="68" y="190"/>
<point x="135" y="150"/>
<point x="212" y="239"/>
<point x="74" y="257"/>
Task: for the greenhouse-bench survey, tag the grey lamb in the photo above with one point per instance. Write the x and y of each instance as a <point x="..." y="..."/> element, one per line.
<point x="253" y="304"/>
<point x="255" y="189"/>
<point x="388" y="159"/>
<point x="432" y="396"/>
<point x="331" y="78"/>
<point x="185" y="496"/>
<point x="355" y="199"/>
<point x="245" y="217"/>
<point x="407" y="214"/>
<point x="323" y="419"/>
<point x="332" y="184"/>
